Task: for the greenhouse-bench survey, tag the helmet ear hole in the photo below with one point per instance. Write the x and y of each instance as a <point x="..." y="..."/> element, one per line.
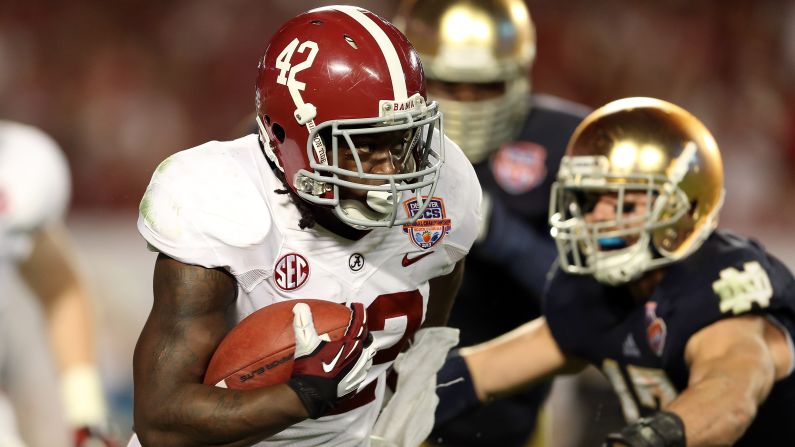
<point x="694" y="211"/>
<point x="278" y="132"/>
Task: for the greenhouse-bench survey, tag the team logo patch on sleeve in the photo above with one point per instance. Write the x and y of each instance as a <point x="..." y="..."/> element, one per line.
<point x="739" y="290"/>
<point x="519" y="166"/>
<point x="431" y="227"/>
<point x="655" y="329"/>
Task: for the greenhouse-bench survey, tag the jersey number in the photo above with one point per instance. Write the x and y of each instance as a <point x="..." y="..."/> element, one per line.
<point x="392" y="318"/>
<point x="651" y="385"/>
<point x="287" y="71"/>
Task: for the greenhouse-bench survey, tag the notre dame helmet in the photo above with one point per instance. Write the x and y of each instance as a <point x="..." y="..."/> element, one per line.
<point x="475" y="41"/>
<point x="636" y="145"/>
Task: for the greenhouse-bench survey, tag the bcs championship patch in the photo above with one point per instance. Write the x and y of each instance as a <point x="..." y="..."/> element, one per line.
<point x="431" y="227"/>
<point x="519" y="166"/>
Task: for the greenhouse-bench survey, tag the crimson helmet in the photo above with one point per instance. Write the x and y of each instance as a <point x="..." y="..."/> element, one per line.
<point x="334" y="73"/>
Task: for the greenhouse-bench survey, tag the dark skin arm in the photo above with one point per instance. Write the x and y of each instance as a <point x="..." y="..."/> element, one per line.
<point x="189" y="317"/>
<point x="442" y="296"/>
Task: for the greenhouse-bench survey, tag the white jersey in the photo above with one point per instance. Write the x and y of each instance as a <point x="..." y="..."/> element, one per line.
<point x="215" y="206"/>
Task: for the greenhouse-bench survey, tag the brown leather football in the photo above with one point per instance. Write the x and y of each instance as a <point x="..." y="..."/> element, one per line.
<point x="259" y="350"/>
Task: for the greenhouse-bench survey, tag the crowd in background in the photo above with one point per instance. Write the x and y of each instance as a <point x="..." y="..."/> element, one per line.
<point x="121" y="85"/>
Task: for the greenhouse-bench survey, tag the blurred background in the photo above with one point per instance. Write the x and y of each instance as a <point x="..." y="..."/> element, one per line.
<point x="121" y="85"/>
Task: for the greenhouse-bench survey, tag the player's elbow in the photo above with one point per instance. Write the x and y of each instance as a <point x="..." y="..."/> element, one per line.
<point x="151" y="432"/>
<point x="151" y="437"/>
<point x="156" y="438"/>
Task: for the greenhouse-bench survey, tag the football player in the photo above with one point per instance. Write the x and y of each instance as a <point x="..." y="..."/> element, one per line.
<point x="692" y="326"/>
<point x="478" y="56"/>
<point x="348" y="193"/>
<point x="34" y="257"/>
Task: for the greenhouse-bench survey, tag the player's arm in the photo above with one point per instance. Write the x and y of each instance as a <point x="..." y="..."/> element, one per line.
<point x="512" y="361"/>
<point x="733" y="365"/>
<point x="443" y="290"/>
<point x="516" y="360"/>
<point x="190" y="315"/>
<point x="50" y="273"/>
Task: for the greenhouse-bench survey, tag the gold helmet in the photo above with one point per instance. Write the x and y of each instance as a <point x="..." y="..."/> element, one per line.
<point x="636" y="145"/>
<point x="475" y="41"/>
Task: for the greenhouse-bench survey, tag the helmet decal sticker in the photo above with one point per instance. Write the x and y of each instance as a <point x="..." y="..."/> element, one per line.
<point x="304" y="112"/>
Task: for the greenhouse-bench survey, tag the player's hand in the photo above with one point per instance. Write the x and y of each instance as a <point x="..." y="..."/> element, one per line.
<point x="325" y="371"/>
<point x="455" y="389"/>
<point x="91" y="437"/>
<point x="663" y="429"/>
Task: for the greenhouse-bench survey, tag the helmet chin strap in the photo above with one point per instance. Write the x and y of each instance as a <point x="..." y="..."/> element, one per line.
<point x="378" y="205"/>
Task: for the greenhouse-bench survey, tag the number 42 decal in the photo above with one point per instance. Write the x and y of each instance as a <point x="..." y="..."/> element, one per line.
<point x="287" y="71"/>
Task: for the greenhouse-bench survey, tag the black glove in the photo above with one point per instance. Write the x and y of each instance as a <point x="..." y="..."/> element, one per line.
<point x="454" y="388"/>
<point x="664" y="429"/>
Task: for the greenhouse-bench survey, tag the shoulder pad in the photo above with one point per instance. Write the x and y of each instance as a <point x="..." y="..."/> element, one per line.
<point x="460" y="189"/>
<point x="201" y="203"/>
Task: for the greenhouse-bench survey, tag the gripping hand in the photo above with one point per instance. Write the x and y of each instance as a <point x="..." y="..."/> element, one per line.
<point x="663" y="429"/>
<point x="324" y="370"/>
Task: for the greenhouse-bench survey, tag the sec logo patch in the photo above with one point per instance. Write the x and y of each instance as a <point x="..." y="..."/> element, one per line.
<point x="519" y="166"/>
<point x="290" y="272"/>
<point x="431" y="227"/>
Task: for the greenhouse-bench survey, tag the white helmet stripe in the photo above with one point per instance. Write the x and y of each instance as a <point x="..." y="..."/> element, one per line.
<point x="387" y="49"/>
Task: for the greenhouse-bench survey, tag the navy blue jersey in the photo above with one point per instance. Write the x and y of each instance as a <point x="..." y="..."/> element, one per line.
<point x="520" y="174"/>
<point x="640" y="347"/>
<point x="509" y="266"/>
<point x="517" y="252"/>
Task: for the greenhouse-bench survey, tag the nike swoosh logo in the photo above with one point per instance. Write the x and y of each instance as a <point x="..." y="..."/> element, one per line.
<point x="408" y="261"/>
<point x="328" y="367"/>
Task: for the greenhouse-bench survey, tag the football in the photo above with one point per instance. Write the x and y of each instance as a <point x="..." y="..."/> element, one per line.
<point x="259" y="350"/>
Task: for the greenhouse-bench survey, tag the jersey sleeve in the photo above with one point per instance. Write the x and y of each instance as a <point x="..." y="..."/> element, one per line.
<point x="578" y="310"/>
<point x="731" y="276"/>
<point x="200" y="208"/>
<point x="459" y="184"/>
